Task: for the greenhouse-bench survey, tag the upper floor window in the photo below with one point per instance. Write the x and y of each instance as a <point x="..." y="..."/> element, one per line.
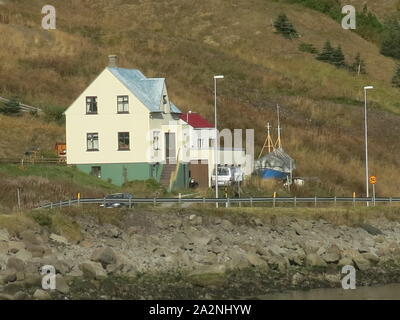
<point x="92" y="140"/>
<point x="210" y="143"/>
<point x="91" y="105"/>
<point x="122" y="104"/>
<point x="165" y="101"/>
<point x="156" y="140"/>
<point x="123" y="140"/>
<point x="199" y="143"/>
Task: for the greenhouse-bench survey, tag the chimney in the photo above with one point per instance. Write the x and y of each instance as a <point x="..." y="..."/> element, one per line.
<point x="112" y="60"/>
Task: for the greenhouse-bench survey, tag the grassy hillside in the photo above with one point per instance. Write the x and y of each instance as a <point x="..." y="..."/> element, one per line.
<point x="189" y="42"/>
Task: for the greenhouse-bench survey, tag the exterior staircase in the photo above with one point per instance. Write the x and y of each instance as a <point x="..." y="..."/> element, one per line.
<point x="168" y="169"/>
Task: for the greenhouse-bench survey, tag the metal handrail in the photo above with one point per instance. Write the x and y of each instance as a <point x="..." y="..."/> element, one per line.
<point x="219" y="200"/>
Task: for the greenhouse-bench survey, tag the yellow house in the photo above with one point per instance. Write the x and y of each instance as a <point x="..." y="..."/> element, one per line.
<point x="124" y="127"/>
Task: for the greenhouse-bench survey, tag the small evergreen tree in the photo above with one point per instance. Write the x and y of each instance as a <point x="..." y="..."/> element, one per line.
<point x="358" y="65"/>
<point x="391" y="40"/>
<point x="396" y="78"/>
<point x="337" y="58"/>
<point x="11" y="107"/>
<point x="327" y="53"/>
<point x="285" y="27"/>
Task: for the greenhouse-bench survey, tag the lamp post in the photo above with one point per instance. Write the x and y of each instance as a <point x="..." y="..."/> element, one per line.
<point x="216" y="136"/>
<point x="366" y="140"/>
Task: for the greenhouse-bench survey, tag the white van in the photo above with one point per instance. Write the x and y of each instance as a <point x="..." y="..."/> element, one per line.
<point x="225" y="176"/>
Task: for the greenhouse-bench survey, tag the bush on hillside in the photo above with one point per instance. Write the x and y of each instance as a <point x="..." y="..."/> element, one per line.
<point x="284" y="27"/>
<point x="326" y="53"/>
<point x="396" y="78"/>
<point x="391" y="39"/>
<point x="358" y="66"/>
<point x="11" y="107"/>
<point x="307" y="47"/>
<point x="55" y="114"/>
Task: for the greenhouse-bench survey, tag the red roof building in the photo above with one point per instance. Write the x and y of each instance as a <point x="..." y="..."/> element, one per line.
<point x="195" y="120"/>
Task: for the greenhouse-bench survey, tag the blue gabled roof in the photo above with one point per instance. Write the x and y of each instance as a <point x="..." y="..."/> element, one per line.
<point x="147" y="90"/>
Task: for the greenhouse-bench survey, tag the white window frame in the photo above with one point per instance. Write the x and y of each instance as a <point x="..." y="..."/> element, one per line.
<point x="90" y="141"/>
<point x="123" y="101"/>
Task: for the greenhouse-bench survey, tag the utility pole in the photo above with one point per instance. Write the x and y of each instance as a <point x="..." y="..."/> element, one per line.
<point x="216" y="137"/>
<point x="366" y="141"/>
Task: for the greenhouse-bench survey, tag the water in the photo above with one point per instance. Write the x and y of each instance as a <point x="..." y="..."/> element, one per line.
<point x="384" y="292"/>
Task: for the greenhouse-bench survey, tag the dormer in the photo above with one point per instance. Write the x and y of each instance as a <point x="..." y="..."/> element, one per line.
<point x="165" y="105"/>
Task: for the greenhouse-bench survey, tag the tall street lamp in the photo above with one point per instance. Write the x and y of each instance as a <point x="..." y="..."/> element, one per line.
<point x="366" y="140"/>
<point x="216" y="136"/>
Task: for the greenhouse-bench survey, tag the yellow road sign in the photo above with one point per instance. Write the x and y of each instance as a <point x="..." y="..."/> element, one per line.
<point x="372" y="180"/>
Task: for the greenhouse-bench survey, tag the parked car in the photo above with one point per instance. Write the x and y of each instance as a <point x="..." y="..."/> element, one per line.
<point x="114" y="200"/>
<point x="225" y="176"/>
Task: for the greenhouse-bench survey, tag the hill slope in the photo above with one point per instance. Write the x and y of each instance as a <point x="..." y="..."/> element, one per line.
<point x="190" y="42"/>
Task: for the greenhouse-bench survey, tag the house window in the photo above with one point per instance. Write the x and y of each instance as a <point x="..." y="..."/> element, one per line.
<point x="199" y="143"/>
<point x="165" y="101"/>
<point x="122" y="104"/>
<point x="210" y="143"/>
<point x="123" y="140"/>
<point x="92" y="141"/>
<point x="96" y="171"/>
<point x="156" y="140"/>
<point x="91" y="105"/>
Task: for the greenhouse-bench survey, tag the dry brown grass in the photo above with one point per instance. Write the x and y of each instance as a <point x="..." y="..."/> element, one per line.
<point x="188" y="43"/>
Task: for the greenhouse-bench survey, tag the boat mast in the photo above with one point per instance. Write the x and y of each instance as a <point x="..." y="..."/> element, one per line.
<point x="268" y="143"/>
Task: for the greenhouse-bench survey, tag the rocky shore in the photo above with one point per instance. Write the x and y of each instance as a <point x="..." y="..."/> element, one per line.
<point x="188" y="254"/>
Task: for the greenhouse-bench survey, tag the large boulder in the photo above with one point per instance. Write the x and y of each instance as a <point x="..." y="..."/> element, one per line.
<point x="41" y="295"/>
<point x="61" y="284"/>
<point x="58" y="239"/>
<point x="8" y="276"/>
<point x="332" y="254"/>
<point x="227" y="225"/>
<point x="370" y="229"/>
<point x="92" y="270"/>
<point x="4" y="235"/>
<point x="105" y="256"/>
<point x="361" y="263"/>
<point x="314" y="260"/>
<point x="16" y="264"/>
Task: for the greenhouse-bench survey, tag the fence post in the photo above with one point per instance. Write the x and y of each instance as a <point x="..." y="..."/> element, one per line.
<point x="130" y="203"/>
<point x="69" y="202"/>
<point x="315" y="201"/>
<point x="274" y="199"/>
<point x="354" y="199"/>
<point x="295" y="201"/>
<point x="180" y="198"/>
<point x="335" y="202"/>
<point x="154" y="201"/>
<point x="390" y="200"/>
<point x="60" y="205"/>
<point x="251" y="201"/>
<point x="51" y="205"/>
<point x="204" y="201"/>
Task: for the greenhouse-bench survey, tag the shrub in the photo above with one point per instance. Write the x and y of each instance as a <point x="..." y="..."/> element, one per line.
<point x="326" y="53"/>
<point x="396" y="78"/>
<point x="285" y="27"/>
<point x="55" y="114"/>
<point x="391" y="40"/>
<point x="307" y="47"/>
<point x="11" y="107"/>
<point x="358" y="65"/>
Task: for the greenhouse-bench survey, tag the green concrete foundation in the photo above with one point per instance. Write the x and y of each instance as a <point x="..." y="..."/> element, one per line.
<point x="119" y="173"/>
